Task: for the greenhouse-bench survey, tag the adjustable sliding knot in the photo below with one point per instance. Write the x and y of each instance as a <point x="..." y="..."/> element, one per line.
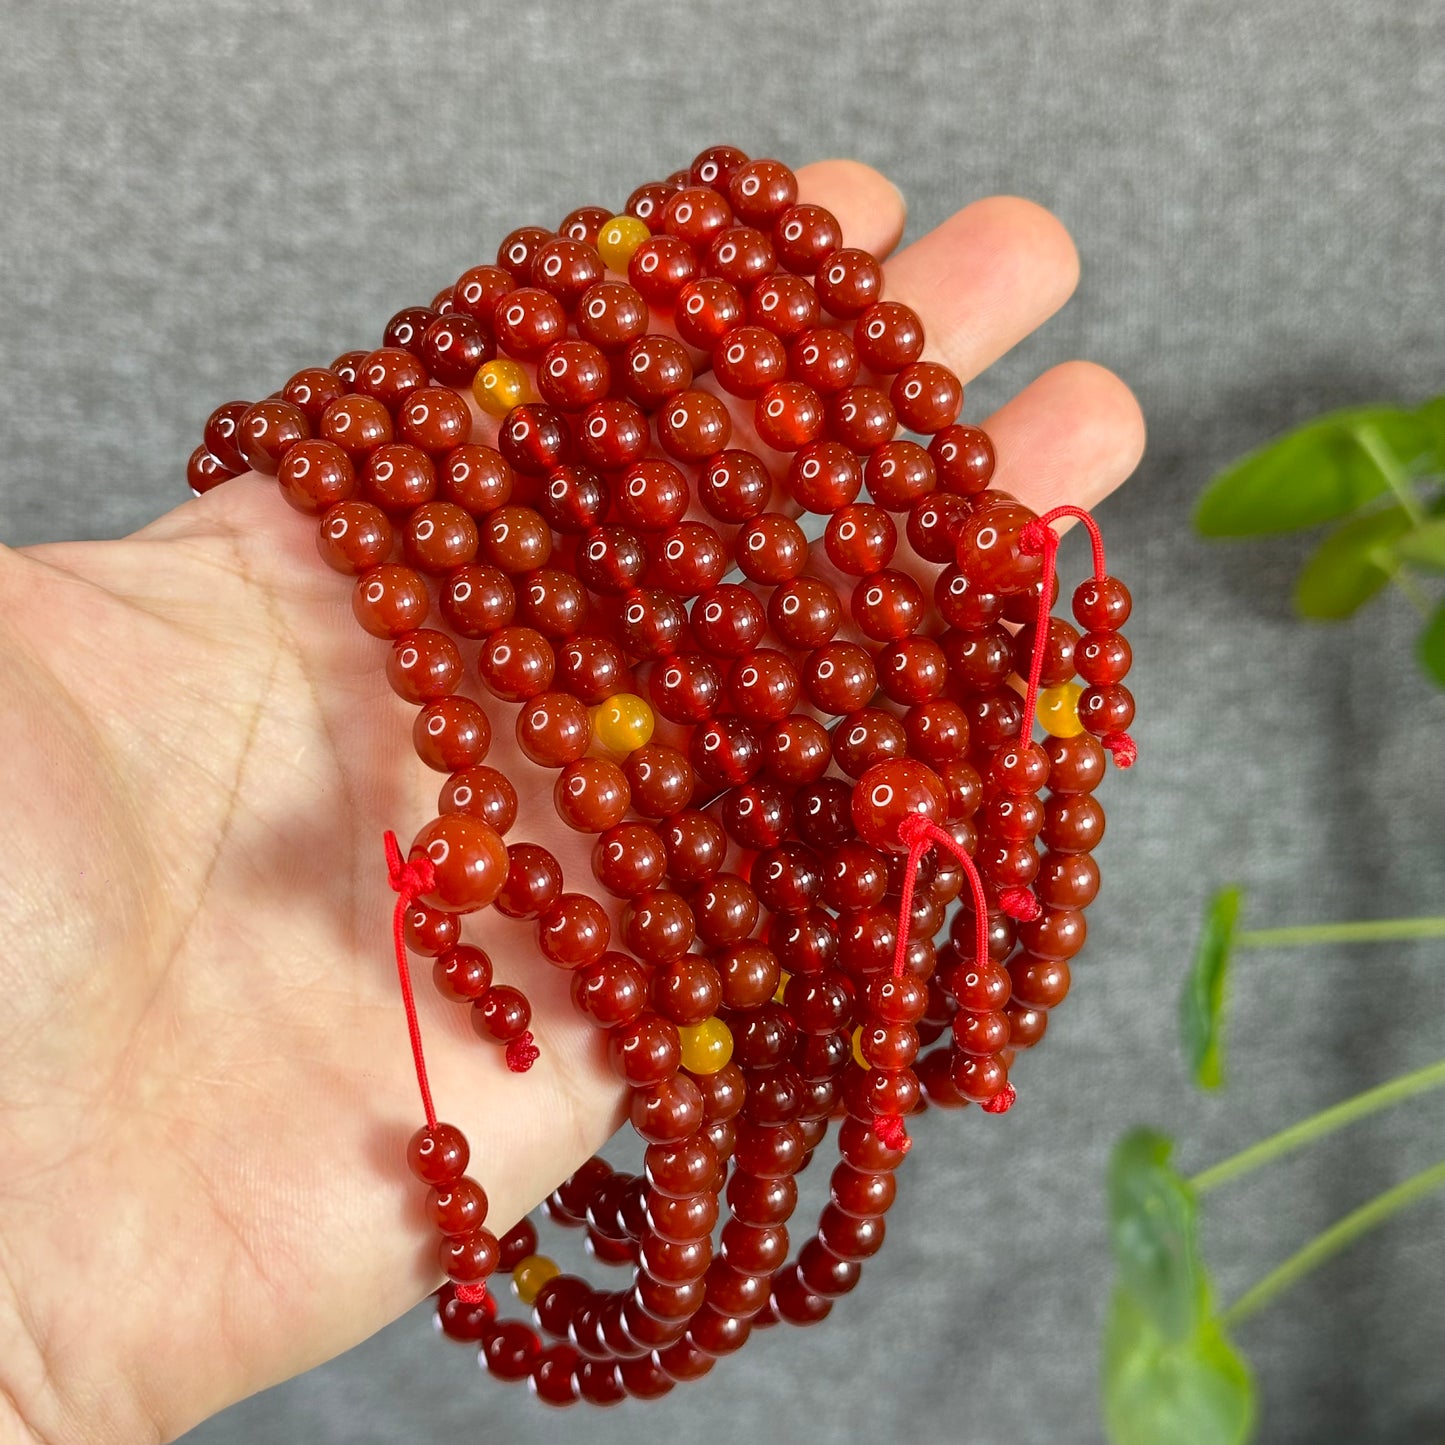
<point x="1020" y="904"/>
<point x="522" y="1053"/>
<point x="915" y="829"/>
<point x="408" y="877"/>
<point x="1123" y="749"/>
<point x="889" y="1128"/>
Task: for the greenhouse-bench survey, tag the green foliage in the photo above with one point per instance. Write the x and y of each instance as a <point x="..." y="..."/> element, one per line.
<point x="1170" y="1374"/>
<point x="1316" y="473"/>
<point x="1337" y="468"/>
<point x="1352" y="564"/>
<point x="1430" y="647"/>
<point x="1202" y="1003"/>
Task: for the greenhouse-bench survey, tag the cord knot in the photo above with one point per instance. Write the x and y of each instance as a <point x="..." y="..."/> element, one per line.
<point x="1019" y="903"/>
<point x="522" y="1053"/>
<point x="1034" y="537"/>
<point x="409" y="877"/>
<point x="914" y="828"/>
<point x="1002" y="1101"/>
<point x="889" y="1128"/>
<point x="1123" y="748"/>
<point x="471" y="1294"/>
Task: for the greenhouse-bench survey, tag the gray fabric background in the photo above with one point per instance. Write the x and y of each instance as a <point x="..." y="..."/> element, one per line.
<point x="198" y="198"/>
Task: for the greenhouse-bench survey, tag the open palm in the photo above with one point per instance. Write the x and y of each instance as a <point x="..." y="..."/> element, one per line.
<point x="206" y="1089"/>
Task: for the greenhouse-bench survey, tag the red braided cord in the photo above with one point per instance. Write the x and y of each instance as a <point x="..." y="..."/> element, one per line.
<point x="410" y="880"/>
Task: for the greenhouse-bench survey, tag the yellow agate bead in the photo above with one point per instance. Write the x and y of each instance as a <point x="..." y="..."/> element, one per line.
<point x="623" y="723"/>
<point x="618" y="239"/>
<point x="1058" y="710"/>
<point x="858" y="1049"/>
<point x="706" y="1047"/>
<point x="500" y="385"/>
<point x="783" y="977"/>
<point x="530" y="1274"/>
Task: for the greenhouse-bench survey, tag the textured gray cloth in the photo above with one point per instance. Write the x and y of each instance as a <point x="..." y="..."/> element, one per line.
<point x="200" y="198"/>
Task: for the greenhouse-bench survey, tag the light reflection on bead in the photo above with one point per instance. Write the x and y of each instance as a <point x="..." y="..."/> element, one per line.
<point x="1058" y="710"/>
<point x="618" y="239"/>
<point x="501" y="385"/>
<point x="706" y="1047"/>
<point x="530" y="1274"/>
<point x="623" y="723"/>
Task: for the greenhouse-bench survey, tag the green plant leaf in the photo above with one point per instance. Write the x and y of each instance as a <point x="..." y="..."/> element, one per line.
<point x="1424" y="546"/>
<point x="1152" y="1219"/>
<point x="1202" y="1003"/>
<point x="1430" y="646"/>
<point x="1352" y="564"/>
<point x="1158" y="1391"/>
<point x="1313" y="474"/>
<point x="1433" y="414"/>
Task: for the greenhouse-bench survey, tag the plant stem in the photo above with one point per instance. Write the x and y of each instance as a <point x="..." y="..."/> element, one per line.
<point x="1375" y="930"/>
<point x="1332" y="1240"/>
<point x="1373" y="446"/>
<point x="1317" y="1126"/>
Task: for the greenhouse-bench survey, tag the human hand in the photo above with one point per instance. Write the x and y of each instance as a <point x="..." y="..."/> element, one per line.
<point x="206" y="1091"/>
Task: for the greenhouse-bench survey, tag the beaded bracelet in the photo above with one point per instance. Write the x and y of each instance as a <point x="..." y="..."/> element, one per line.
<point x="789" y="787"/>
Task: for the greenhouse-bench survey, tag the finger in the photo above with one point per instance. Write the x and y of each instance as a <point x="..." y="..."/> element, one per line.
<point x="869" y="207"/>
<point x="983" y="280"/>
<point x="1072" y="435"/>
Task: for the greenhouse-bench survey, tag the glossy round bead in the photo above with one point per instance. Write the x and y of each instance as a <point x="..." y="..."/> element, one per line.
<point x="574" y="931"/>
<point x="510" y="1351"/>
<point x="477" y="600"/>
<point x="761" y="191"/>
<point x="805" y="235"/>
<point x="389" y="600"/>
<point x="623" y="723"/>
<point x="1058" y="710"/>
<point x="551" y="601"/>
<point x="891" y="791"/>
<point x="887" y="606"/>
<point x="1101" y="657"/>
<point x="267" y="431"/>
<point x="205" y="472"/>
<point x="788" y="415"/>
<point x="611" y="315"/>
<point x="1102" y="606"/>
<point x="423" y="665"/>
<point x="434" y="419"/>
<point x="694" y="425"/>
<point x="591" y="795"/>
<point x="573" y="374"/>
<point x="1106" y="709"/>
<point x="668" y="1110"/>
<point x="453" y="347"/>
<point x="314" y="475"/>
<point x="220" y="435"/>
<point x="478" y="290"/>
<point x="823" y="358"/>
<point x="1075" y="765"/>
<point x="630" y="860"/>
<point x="516" y="663"/>
<point x="481" y="792"/>
<point x="772" y="548"/>
<point x="528" y="321"/>
<point x="357" y="424"/>
<point x="889" y="336"/>
<point x="749" y="360"/>
<point x="462" y="973"/>
<point x="438" y="1155"/>
<point x="706" y="310"/>
<point x="500" y="385"/>
<point x="438" y="538"/>
<point x="469" y="860"/>
<point x="354" y="537"/>
<point x="740" y="254"/>
<point x="457" y="1207"/>
<point x="839" y="678"/>
<point x="553" y="729"/>
<point x="661" y="779"/>
<point x="728" y="620"/>
<point x="654" y="369"/>
<point x="926" y="396"/>
<point x="990" y="550"/>
<point x="824" y="477"/>
<point x="688" y="560"/>
<point x="618" y="238"/>
<point x="613" y="434"/>
<point x="661" y="267"/>
<point x="849" y="282"/>
<point x="567" y="268"/>
<point x="805" y="613"/>
<point x="404" y="330"/>
<point x="862" y="418"/>
<point x="686" y="989"/>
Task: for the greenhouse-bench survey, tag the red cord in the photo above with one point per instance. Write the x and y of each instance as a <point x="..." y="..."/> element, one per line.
<point x="522" y="1053"/>
<point x="410" y="880"/>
